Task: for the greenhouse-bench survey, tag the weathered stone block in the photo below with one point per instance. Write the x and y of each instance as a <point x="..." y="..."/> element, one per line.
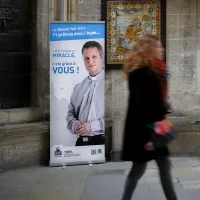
<point x="38" y="29"/>
<point x="182" y="46"/>
<point x="96" y="2"/>
<point x="97" y="7"/>
<point x="108" y="136"/>
<point x="17" y="152"/>
<point x="173" y="105"/>
<point x="173" y="50"/>
<point x="24" y="145"/>
<point x="187" y="32"/>
<point x="98" y="18"/>
<point x="4" y="116"/>
<point x="118" y="127"/>
<point x="173" y="83"/>
<point x="178" y="50"/>
<point x="87" y="18"/>
<point x="188" y="59"/>
<point x="20" y="115"/>
<point x="173" y="7"/>
<point x="108" y="82"/>
<point x="119" y="104"/>
<point x="195" y="99"/>
<point x="119" y="84"/>
<point x="42" y="6"/>
<point x="187" y="77"/>
<point x="45" y="30"/>
<point x="173" y="70"/>
<point x="181" y="100"/>
<point x="190" y="45"/>
<point x="186" y="144"/>
<point x="172" y="57"/>
<point x="172" y="20"/>
<point x="108" y="106"/>
<point x="172" y="32"/>
<point x="187" y="6"/>
<point x="45" y="107"/>
<point x="187" y="20"/>
<point x="86" y="8"/>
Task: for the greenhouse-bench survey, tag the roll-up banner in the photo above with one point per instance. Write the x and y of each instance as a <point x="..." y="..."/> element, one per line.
<point x="77" y="131"/>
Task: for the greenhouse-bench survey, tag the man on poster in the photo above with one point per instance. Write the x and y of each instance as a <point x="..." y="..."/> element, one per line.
<point x="86" y="109"/>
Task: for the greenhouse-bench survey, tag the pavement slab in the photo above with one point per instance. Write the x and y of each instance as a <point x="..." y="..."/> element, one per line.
<point x="97" y="182"/>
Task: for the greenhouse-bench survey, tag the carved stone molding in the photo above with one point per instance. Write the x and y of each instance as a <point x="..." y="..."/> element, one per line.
<point x="62" y="10"/>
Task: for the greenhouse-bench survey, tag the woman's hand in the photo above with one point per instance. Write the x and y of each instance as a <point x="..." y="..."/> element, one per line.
<point x="149" y="146"/>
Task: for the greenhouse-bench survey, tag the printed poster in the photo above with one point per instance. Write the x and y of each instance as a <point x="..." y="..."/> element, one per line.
<point x="77" y="131"/>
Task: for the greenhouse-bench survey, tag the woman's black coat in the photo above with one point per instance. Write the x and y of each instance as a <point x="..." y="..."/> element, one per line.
<point x="145" y="105"/>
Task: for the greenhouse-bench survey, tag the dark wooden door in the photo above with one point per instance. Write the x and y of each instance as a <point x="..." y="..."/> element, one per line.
<point x="15" y="53"/>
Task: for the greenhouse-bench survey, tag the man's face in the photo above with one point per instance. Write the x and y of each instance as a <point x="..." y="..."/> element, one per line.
<point x="93" y="60"/>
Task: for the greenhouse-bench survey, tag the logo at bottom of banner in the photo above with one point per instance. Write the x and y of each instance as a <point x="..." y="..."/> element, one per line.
<point x="79" y="153"/>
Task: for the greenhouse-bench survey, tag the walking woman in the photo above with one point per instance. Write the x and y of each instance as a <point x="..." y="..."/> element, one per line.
<point x="146" y="105"/>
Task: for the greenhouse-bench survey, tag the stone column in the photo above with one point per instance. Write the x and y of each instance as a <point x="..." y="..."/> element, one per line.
<point x="198" y="42"/>
<point x="44" y="12"/>
<point x="119" y="98"/>
<point x="51" y="10"/>
<point x="40" y="56"/>
<point x="64" y="10"/>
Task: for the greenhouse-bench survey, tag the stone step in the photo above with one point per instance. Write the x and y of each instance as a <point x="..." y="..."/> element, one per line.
<point x="20" y="115"/>
<point x="25" y="128"/>
<point x="182" y="119"/>
<point x="187" y="142"/>
<point x="22" y="145"/>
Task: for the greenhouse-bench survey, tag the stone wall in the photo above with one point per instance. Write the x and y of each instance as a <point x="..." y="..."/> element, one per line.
<point x="89" y="10"/>
<point x="24" y="136"/>
<point x="44" y="11"/>
<point x="183" y="56"/>
<point x="40" y="56"/>
<point x="28" y="143"/>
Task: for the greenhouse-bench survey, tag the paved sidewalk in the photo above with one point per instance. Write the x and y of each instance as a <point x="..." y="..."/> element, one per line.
<point x="99" y="182"/>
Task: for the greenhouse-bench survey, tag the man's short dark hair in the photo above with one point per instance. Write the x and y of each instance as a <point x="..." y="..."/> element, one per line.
<point x="92" y="44"/>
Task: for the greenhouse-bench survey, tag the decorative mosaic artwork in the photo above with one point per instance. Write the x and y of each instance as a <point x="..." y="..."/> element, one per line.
<point x="127" y="22"/>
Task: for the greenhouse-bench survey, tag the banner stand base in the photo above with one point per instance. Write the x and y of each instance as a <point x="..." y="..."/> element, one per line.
<point x="58" y="164"/>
